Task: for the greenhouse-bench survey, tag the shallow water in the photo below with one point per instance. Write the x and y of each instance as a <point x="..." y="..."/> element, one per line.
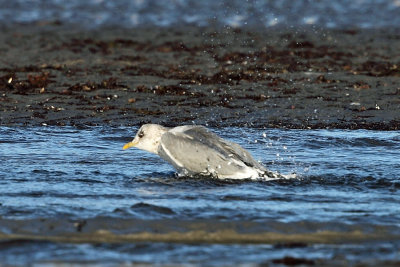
<point x="347" y="182"/>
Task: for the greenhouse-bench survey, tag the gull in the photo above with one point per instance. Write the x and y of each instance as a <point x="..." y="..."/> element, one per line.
<point x="194" y="150"/>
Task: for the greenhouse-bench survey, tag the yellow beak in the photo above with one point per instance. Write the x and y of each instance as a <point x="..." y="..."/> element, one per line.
<point x="130" y="144"/>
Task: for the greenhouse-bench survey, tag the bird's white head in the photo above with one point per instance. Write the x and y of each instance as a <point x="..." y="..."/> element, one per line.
<point x="147" y="138"/>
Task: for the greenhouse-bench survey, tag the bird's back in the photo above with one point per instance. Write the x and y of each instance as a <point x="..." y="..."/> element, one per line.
<point x="195" y="149"/>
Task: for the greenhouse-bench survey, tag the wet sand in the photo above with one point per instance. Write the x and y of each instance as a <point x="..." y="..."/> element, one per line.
<point x="20" y="237"/>
<point x="116" y="230"/>
<point x="303" y="78"/>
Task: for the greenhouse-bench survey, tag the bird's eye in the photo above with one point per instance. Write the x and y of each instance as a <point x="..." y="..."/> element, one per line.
<point x="141" y="134"/>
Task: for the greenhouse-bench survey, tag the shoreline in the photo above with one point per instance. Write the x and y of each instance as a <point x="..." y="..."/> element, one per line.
<point x="270" y="78"/>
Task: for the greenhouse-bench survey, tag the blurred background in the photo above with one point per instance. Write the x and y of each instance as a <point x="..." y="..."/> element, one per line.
<point x="235" y="13"/>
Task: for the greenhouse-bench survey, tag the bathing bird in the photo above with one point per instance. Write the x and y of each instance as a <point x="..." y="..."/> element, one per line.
<point x="194" y="150"/>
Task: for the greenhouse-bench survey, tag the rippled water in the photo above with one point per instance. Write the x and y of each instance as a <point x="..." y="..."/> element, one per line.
<point x="346" y="181"/>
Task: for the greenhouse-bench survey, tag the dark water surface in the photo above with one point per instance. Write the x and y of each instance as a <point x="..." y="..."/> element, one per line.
<point x="69" y="193"/>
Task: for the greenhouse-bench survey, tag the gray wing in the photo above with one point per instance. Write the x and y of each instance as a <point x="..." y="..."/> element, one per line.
<point x="197" y="147"/>
<point x="244" y="155"/>
<point x="227" y="148"/>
